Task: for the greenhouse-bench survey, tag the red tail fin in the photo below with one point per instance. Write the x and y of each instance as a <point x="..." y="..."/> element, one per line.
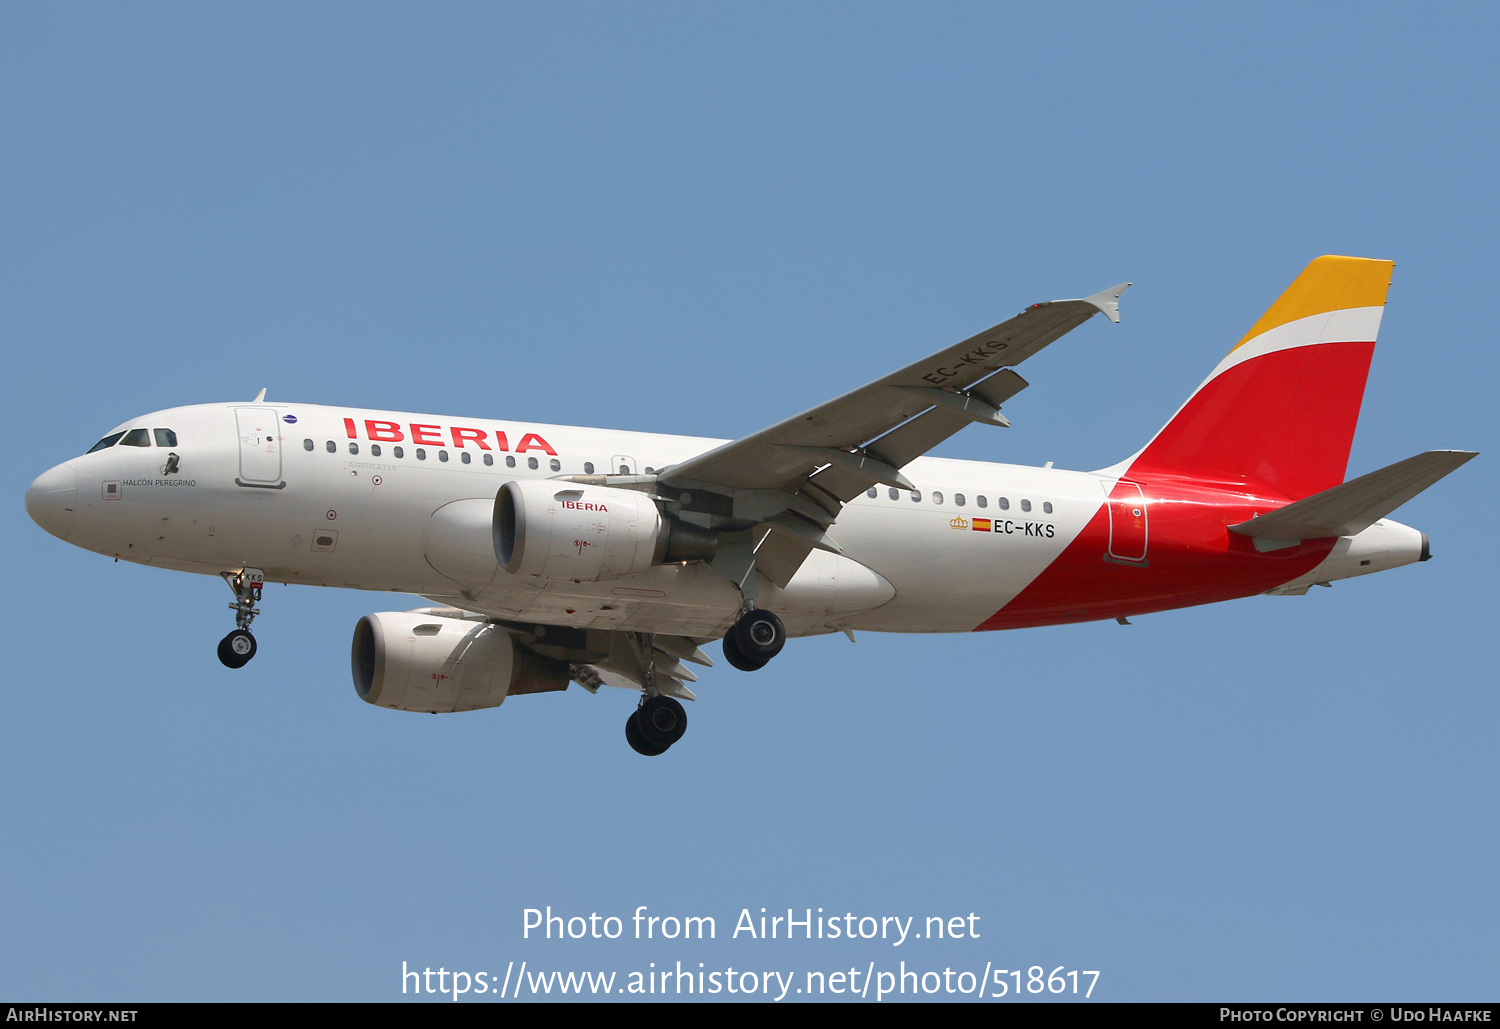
<point x="1282" y="406"/>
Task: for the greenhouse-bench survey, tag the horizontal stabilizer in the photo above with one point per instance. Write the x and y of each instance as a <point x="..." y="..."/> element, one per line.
<point x="1354" y="506"/>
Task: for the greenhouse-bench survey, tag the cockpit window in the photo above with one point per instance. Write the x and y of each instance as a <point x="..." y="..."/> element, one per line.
<point x="136" y="438"/>
<point x="165" y="437"/>
<point x="107" y="441"/>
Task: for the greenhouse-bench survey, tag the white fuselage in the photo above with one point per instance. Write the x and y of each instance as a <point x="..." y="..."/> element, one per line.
<point x="308" y="504"/>
<point x="399" y="502"/>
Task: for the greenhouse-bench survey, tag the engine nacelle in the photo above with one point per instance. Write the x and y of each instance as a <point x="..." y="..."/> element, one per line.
<point x="565" y="530"/>
<point x="417" y="661"/>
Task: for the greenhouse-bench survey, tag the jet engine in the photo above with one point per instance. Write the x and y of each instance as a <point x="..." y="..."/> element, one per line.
<point x="563" y="530"/>
<point x="418" y="661"/>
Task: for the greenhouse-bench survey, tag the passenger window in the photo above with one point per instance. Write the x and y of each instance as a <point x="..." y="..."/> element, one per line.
<point x="353" y="448"/>
<point x="1047" y="507"/>
<point x="916" y="496"/>
<point x="398" y="451"/>
<point x="136" y="438"/>
<point x="874" y="492"/>
<point x="624" y="468"/>
<point x="165" y="437"/>
<point x="982" y="500"/>
<point x="1025" y="505"/>
<point x="489" y="459"/>
<point x="443" y="455"/>
<point x="937" y="498"/>
<point x="106" y="442"/>
<point x="1005" y="503"/>
<point x="421" y="453"/>
<point x="555" y="465"/>
<point x="510" y="460"/>
<point x="895" y="493"/>
<point x="958" y="498"/>
<point x="333" y="448"/>
<point x="531" y="463"/>
<point x="307" y="445"/>
<point x="466" y="458"/>
<point x="374" y="449"/>
<point x="588" y="468"/>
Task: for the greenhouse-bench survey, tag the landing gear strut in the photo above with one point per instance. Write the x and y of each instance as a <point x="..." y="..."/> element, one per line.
<point x="752" y="641"/>
<point x="659" y="721"/>
<point x="236" y="649"/>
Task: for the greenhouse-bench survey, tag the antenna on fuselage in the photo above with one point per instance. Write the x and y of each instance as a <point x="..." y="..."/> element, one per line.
<point x="259" y="396"/>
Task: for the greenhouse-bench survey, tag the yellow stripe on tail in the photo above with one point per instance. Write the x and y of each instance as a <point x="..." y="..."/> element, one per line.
<point x="1327" y="284"/>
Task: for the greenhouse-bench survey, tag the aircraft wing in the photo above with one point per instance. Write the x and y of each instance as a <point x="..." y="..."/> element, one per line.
<point x="791" y="480"/>
<point x="866" y="436"/>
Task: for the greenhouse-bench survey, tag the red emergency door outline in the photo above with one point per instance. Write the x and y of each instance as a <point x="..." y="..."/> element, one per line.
<point x="1127" y="524"/>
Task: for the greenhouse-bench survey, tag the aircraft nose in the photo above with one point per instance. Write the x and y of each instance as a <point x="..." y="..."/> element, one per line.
<point x="51" y="499"/>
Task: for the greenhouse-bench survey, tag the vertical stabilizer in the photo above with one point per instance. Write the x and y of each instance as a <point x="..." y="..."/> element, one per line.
<point x="1282" y="406"/>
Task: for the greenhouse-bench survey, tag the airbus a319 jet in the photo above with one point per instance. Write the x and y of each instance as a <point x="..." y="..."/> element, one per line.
<point x="560" y="555"/>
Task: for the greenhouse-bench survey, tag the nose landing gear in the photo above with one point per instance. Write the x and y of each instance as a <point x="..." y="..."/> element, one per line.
<point x="236" y="649"/>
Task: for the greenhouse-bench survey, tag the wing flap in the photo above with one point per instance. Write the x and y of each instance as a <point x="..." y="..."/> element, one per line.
<point x="613" y="675"/>
<point x="906" y="443"/>
<point x="1000" y="387"/>
<point x="683" y="648"/>
<point x="780" y="554"/>
<point x="911" y="440"/>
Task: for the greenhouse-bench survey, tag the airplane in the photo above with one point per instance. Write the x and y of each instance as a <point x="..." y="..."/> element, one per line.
<point x="557" y="554"/>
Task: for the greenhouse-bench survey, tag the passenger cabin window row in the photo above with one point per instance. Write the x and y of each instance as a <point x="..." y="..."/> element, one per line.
<point x="959" y="499"/>
<point x="420" y="453"/>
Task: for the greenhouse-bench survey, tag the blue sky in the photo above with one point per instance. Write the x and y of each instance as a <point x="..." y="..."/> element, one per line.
<point x="701" y="219"/>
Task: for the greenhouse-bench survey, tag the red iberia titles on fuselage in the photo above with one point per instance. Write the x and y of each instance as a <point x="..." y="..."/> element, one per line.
<point x="379" y="430"/>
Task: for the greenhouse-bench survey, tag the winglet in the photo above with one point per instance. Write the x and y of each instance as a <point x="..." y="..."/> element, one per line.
<point x="259" y="396"/>
<point x="1108" y="301"/>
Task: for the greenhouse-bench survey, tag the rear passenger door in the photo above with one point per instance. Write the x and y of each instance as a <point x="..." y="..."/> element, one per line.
<point x="1127" y="524"/>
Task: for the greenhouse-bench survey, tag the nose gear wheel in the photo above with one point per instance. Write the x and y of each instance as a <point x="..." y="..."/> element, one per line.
<point x="236" y="649"/>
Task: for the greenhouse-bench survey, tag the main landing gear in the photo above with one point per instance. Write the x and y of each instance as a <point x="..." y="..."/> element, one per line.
<point x="658" y="723"/>
<point x="236" y="649"/>
<point x="659" y="720"/>
<point x="752" y="641"/>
